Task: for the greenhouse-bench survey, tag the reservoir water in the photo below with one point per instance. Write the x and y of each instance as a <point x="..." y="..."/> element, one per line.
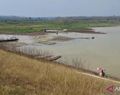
<point x="103" y="51"/>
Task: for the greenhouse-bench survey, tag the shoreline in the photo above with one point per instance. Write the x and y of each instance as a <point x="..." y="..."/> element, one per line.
<point x="86" y="31"/>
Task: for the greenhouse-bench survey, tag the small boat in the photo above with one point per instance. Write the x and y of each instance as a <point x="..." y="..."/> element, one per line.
<point x="9" y="39"/>
<point x="53" y="58"/>
<point x="49" y="57"/>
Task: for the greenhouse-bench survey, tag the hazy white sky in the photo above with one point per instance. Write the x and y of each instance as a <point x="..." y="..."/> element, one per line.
<point x="41" y="8"/>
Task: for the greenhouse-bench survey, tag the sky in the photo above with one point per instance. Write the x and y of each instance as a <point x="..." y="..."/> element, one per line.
<point x="53" y="8"/>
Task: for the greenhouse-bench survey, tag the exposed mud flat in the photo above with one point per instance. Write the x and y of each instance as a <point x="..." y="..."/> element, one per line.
<point x="51" y="39"/>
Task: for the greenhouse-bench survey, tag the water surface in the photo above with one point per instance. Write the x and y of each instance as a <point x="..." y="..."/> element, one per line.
<point x="103" y="51"/>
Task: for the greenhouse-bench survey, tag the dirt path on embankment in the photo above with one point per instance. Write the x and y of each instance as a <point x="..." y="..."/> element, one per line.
<point x="102" y="78"/>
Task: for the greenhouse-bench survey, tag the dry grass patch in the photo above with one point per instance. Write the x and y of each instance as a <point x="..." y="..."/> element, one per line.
<point x="20" y="75"/>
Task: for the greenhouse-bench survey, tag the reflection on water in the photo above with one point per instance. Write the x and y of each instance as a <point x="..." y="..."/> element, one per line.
<point x="103" y="51"/>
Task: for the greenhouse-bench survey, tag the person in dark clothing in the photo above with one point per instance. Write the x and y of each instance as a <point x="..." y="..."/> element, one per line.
<point x="101" y="72"/>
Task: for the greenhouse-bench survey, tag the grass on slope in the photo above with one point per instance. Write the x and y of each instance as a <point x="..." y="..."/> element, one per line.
<point x="20" y="75"/>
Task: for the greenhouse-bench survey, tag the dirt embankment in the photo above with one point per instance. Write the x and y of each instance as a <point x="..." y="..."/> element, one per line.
<point x="25" y="76"/>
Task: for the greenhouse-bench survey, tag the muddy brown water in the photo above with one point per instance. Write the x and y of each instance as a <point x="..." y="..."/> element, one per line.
<point x="103" y="51"/>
